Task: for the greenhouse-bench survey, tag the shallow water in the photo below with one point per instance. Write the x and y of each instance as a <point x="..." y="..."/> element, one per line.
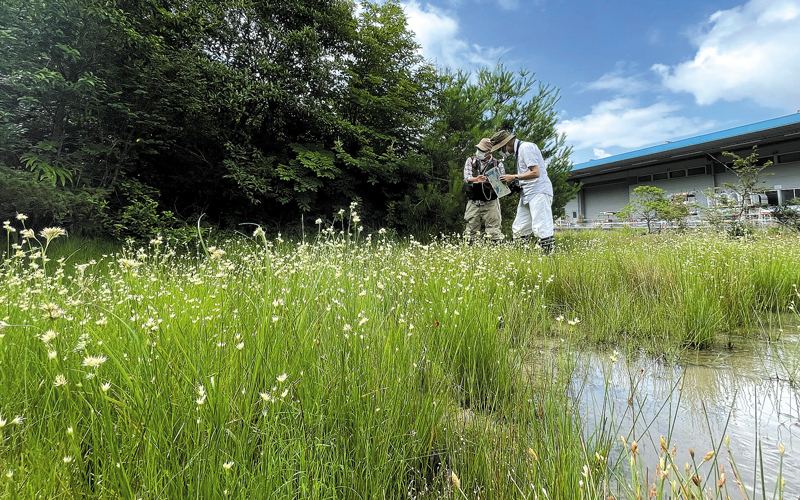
<point x="750" y="394"/>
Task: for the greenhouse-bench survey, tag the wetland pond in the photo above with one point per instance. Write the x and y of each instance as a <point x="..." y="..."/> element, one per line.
<point x="750" y="393"/>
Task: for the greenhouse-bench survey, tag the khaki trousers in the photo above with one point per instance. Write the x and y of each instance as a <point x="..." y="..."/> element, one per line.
<point x="487" y="215"/>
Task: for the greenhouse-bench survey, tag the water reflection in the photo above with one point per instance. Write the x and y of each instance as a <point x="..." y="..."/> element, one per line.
<point x="751" y="395"/>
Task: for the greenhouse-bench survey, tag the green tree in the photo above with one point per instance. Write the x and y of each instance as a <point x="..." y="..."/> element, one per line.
<point x="650" y="204"/>
<point x="749" y="174"/>
<point x="729" y="205"/>
<point x="520" y="103"/>
<point x="471" y="108"/>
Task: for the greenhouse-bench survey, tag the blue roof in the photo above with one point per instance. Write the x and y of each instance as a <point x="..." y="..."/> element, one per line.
<point x="692" y="141"/>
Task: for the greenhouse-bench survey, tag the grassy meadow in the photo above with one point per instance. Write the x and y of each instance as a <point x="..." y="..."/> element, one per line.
<point x="351" y="366"/>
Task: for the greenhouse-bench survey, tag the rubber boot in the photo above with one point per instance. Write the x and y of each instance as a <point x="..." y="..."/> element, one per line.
<point x="547" y="244"/>
<point x="527" y="240"/>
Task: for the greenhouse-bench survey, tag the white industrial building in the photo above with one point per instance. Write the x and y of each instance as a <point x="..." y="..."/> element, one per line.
<point x="690" y="167"/>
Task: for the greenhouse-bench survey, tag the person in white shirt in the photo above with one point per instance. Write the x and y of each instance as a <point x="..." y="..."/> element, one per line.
<point x="534" y="211"/>
<point x="483" y="206"/>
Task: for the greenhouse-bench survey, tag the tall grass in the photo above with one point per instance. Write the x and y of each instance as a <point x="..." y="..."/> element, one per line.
<point x="353" y="367"/>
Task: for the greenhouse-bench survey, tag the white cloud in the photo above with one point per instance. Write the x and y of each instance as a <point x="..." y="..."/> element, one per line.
<point x="600" y="153"/>
<point x="625" y="85"/>
<point x="622" y="123"/>
<point x="438" y="34"/>
<point x="748" y="52"/>
<point x="654" y="36"/>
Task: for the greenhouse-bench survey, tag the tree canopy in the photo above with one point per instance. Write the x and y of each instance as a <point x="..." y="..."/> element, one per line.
<point x="247" y="111"/>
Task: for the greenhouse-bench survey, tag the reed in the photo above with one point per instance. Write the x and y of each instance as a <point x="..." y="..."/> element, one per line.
<point x="355" y="366"/>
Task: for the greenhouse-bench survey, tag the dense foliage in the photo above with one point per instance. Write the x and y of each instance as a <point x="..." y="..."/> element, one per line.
<point x="246" y="111"/>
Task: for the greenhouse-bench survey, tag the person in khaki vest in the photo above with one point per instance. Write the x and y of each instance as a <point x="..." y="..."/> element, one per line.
<point x="483" y="207"/>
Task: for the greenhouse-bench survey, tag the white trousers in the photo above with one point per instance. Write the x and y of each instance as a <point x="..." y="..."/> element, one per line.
<point x="534" y="217"/>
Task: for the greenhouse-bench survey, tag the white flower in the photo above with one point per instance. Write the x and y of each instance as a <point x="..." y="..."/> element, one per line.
<point x="48" y="336"/>
<point x="68" y="459"/>
<point x="227" y="465"/>
<point x="60" y="380"/>
<point x="2" y="422"/>
<point x="319" y="222"/>
<point x="17" y="420"/>
<point x="129" y="263"/>
<point x="51" y="233"/>
<point x="52" y="311"/>
<point x="21" y="217"/>
<point x="94" y="361"/>
<point x="201" y="391"/>
<point x="282" y="377"/>
<point x="105" y="386"/>
<point x="70" y="431"/>
<point x="258" y="232"/>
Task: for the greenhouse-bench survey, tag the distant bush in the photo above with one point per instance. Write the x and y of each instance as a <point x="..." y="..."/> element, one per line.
<point x="788" y="215"/>
<point x="46" y="204"/>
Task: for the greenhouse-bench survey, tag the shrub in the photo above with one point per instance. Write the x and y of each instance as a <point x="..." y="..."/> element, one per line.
<point x="46" y="204"/>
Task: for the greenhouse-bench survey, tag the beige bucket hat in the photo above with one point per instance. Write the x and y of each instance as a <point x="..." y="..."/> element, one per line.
<point x="500" y="139"/>
<point x="485" y="145"/>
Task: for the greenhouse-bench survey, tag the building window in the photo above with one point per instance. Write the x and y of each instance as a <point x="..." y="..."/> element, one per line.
<point x="697" y="171"/>
<point x="788" y="194"/>
<point x="660" y="177"/>
<point x="643" y="178"/>
<point x="574" y="215"/>
<point x="677" y="173"/>
<point x="720" y="168"/>
<point x="788" y="158"/>
<point x="761" y="161"/>
<point x="772" y="198"/>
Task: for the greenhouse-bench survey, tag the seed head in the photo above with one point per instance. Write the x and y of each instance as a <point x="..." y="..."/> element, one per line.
<point x="454" y="479"/>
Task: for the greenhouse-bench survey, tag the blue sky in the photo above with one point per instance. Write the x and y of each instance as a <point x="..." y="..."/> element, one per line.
<point x="632" y="74"/>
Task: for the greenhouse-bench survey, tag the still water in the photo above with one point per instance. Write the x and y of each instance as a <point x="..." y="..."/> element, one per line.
<point x="750" y="394"/>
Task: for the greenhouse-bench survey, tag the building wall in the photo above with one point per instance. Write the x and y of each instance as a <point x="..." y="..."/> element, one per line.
<point x="610" y="192"/>
<point x="607" y="198"/>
